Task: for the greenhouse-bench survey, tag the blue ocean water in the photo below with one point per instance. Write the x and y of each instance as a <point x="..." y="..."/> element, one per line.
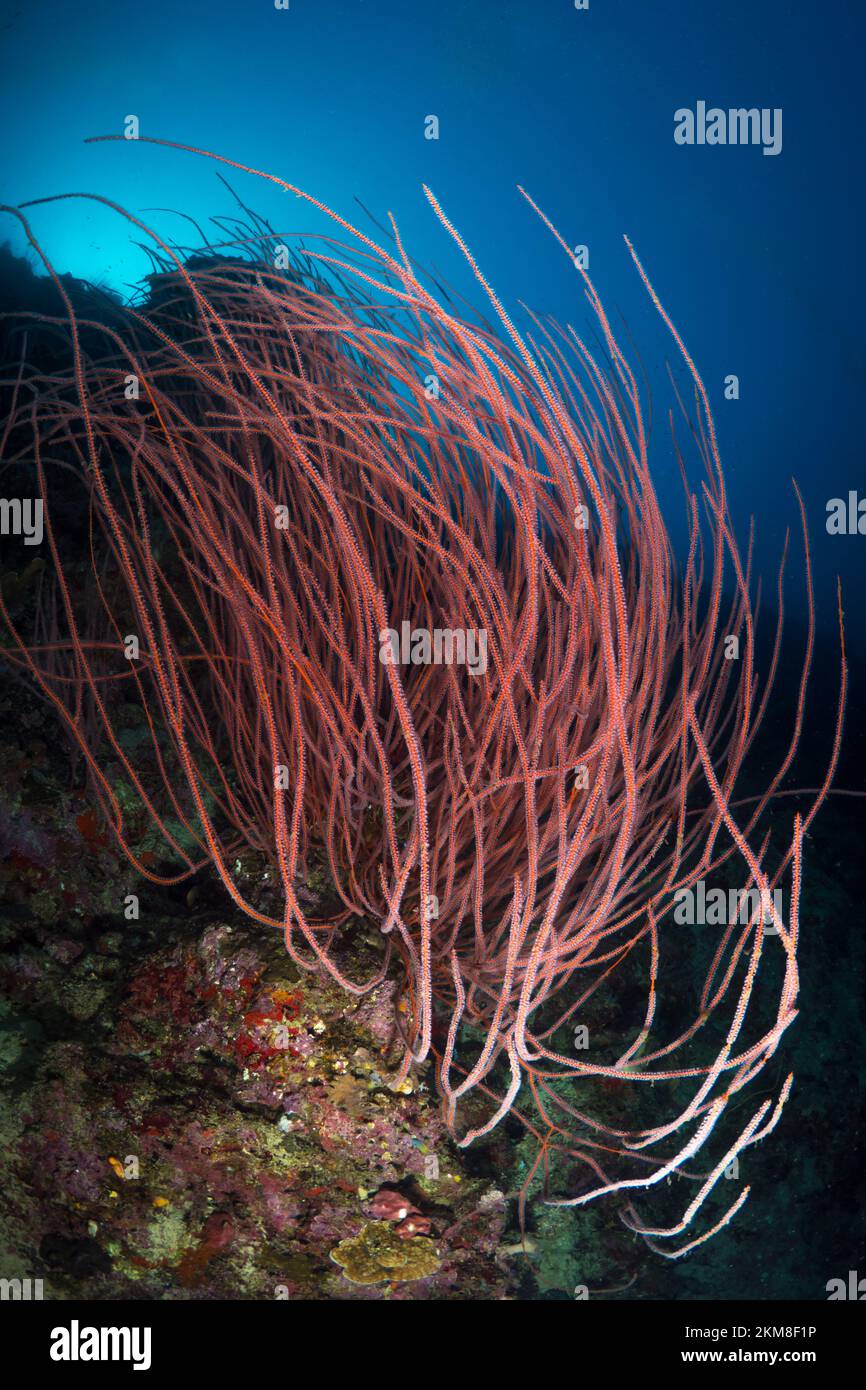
<point x="753" y="254"/>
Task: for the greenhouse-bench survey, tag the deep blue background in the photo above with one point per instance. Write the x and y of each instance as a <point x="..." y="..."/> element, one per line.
<point x="757" y="258"/>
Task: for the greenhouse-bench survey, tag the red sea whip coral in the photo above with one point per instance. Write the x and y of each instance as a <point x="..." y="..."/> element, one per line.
<point x="319" y="450"/>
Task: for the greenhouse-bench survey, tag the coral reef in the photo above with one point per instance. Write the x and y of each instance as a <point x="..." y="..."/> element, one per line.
<point x="188" y="1115"/>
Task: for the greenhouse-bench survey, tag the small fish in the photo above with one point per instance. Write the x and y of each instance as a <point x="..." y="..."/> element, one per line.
<point x="527" y="1246"/>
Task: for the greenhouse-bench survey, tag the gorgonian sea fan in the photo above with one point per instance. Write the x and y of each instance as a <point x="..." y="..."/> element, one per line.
<point x="321" y="449"/>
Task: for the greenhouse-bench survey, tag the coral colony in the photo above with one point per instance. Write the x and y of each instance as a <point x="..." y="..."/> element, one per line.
<point x="395" y="593"/>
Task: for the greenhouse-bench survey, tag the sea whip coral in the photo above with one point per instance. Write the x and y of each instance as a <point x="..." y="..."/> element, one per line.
<point x="318" y="449"/>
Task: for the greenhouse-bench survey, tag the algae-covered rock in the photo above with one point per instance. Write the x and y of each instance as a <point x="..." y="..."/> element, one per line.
<point x="377" y="1253"/>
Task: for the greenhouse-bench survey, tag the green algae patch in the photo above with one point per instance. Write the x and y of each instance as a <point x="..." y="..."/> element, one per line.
<point x="377" y="1254"/>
